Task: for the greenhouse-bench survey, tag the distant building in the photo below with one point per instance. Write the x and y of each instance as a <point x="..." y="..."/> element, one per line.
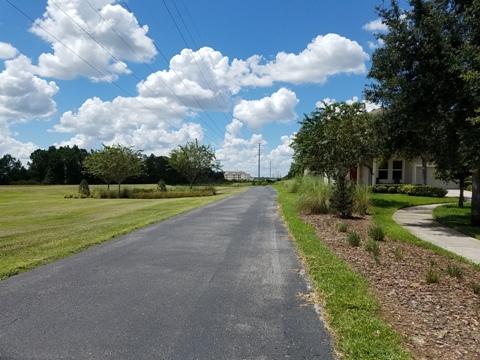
<point x="236" y="175"/>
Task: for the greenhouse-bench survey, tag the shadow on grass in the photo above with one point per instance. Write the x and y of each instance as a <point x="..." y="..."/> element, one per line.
<point x="389" y="203"/>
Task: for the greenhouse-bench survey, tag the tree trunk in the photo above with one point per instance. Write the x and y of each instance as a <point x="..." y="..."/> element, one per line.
<point x="461" y="198"/>
<point x="475" y="215"/>
<point x="119" y="190"/>
<point x="424" y="171"/>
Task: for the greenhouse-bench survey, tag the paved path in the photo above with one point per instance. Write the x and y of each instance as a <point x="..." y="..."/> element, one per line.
<point x="219" y="282"/>
<point x="419" y="221"/>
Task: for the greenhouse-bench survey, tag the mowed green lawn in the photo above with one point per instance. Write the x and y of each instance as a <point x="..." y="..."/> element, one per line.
<point x="38" y="226"/>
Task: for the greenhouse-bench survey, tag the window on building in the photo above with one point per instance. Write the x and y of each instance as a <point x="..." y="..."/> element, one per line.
<point x="383" y="171"/>
<point x="397" y="170"/>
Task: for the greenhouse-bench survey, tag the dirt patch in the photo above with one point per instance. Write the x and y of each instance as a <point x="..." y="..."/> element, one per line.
<point x="438" y="320"/>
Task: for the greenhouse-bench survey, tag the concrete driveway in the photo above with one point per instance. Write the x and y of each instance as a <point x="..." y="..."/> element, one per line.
<point x="219" y="282"/>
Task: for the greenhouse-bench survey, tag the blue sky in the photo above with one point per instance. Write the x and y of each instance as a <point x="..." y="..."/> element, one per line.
<point x="154" y="74"/>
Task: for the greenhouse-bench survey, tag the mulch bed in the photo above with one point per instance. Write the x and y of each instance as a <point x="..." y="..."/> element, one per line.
<point x="438" y="320"/>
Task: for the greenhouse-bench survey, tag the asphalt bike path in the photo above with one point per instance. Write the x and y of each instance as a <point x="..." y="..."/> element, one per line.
<point x="218" y="282"/>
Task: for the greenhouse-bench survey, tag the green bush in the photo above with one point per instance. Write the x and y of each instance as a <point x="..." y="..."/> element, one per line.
<point x="469" y="188"/>
<point x="102" y="193"/>
<point x="423" y="190"/>
<point x="382" y="189"/>
<point x="161" y="186"/>
<point x="343" y="197"/>
<point x="405" y="189"/>
<point x="392" y="190"/>
<point x="83" y="188"/>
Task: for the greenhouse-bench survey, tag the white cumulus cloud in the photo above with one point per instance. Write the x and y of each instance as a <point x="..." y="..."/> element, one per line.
<point x="24" y="96"/>
<point x="76" y="53"/>
<point x="7" y="51"/>
<point x="375" y="26"/>
<point x="279" y="107"/>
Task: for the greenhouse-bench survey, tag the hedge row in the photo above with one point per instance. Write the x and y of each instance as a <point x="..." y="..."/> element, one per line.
<point x="412" y="190"/>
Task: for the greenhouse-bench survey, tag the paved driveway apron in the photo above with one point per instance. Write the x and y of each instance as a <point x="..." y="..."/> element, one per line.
<point x="220" y="282"/>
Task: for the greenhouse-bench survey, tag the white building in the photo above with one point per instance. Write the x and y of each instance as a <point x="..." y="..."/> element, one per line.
<point x="236" y="175"/>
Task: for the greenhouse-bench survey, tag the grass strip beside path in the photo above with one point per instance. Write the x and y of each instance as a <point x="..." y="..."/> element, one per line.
<point x="352" y="313"/>
<point x="38" y="226"/>
<point x="457" y="218"/>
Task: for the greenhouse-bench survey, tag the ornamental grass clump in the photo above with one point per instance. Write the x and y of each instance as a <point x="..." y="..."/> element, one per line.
<point x="353" y="238"/>
<point x="454" y="271"/>
<point x="376" y="233"/>
<point x="362" y="199"/>
<point x="342" y="227"/>
<point x="314" y="196"/>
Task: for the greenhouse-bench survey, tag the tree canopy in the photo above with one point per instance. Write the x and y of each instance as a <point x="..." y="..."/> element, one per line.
<point x="335" y="139"/>
<point x="114" y="163"/>
<point x="426" y="77"/>
<point x="193" y="161"/>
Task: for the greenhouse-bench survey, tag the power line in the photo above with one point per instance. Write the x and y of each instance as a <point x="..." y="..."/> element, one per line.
<point x="106" y="77"/>
<point x="120" y="62"/>
<point x="203" y="61"/>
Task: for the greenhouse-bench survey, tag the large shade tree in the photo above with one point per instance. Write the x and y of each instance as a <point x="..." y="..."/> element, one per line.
<point x="193" y="161"/>
<point x="424" y="77"/>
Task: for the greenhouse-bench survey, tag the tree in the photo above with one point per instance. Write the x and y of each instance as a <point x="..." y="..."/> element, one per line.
<point x="57" y="166"/>
<point x="114" y="164"/>
<point x="193" y="161"/>
<point x="333" y="140"/>
<point x="11" y="170"/>
<point x="423" y="77"/>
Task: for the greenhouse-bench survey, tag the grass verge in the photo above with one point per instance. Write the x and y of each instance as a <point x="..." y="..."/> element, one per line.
<point x="38" y="226"/>
<point x="457" y="218"/>
<point x="384" y="205"/>
<point x="352" y="313"/>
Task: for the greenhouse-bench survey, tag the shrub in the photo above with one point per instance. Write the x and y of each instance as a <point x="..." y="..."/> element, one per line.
<point x="161" y="186"/>
<point x="376" y="233"/>
<point x="362" y="199"/>
<point x="343" y="197"/>
<point x="353" y="238"/>
<point x="392" y="190"/>
<point x="102" y="193"/>
<point x="314" y="196"/>
<point x="382" y="189"/>
<point x="423" y="190"/>
<point x="83" y="188"/>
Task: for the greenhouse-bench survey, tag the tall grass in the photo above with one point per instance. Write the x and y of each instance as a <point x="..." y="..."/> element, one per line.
<point x="315" y="196"/>
<point x="363" y="196"/>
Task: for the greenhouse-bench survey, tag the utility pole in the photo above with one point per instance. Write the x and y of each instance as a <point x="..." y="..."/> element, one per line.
<point x="270" y="169"/>
<point x="259" y="163"/>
